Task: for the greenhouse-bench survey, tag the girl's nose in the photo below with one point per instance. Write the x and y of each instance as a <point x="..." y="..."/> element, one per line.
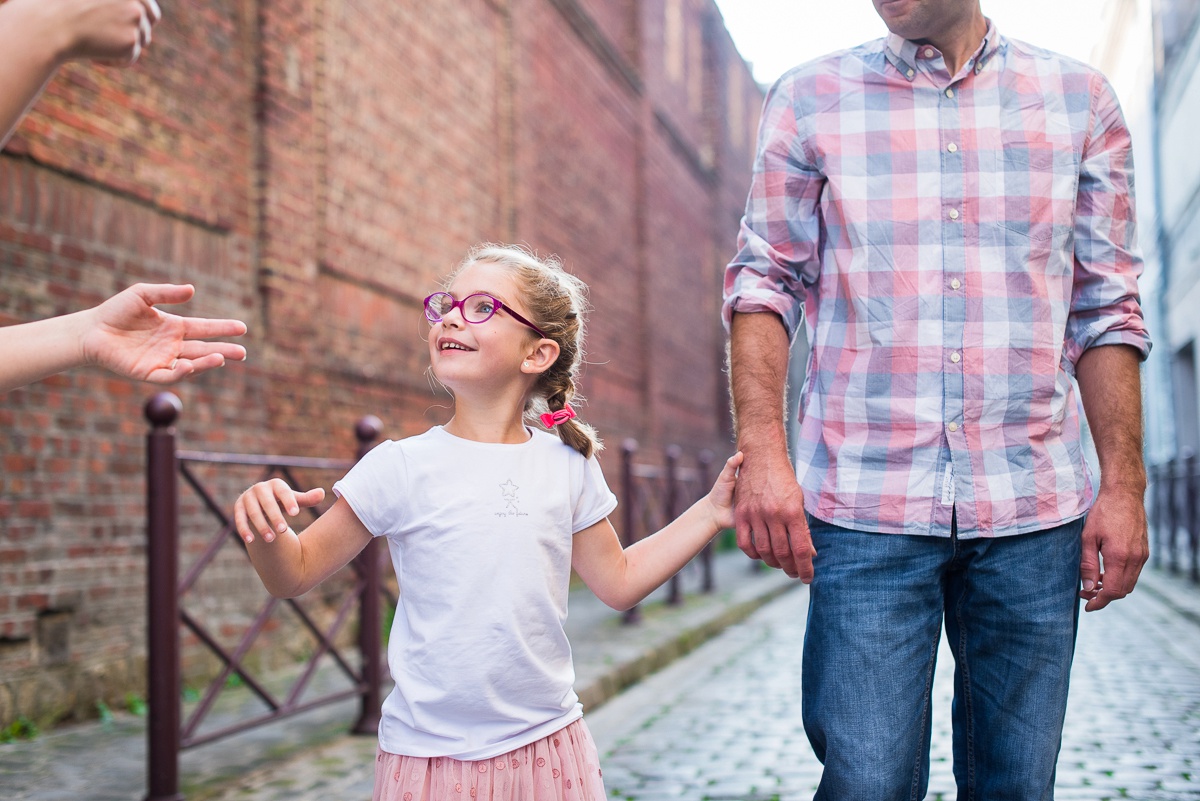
<point x="454" y="317"/>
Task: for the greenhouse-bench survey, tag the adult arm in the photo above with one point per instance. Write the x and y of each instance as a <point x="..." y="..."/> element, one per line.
<point x="1105" y="339"/>
<point x="623" y="577"/>
<point x="125" y="334"/>
<point x="769" y="513"/>
<point x="1115" y="540"/>
<point x="37" y="36"/>
<point x="778" y="256"/>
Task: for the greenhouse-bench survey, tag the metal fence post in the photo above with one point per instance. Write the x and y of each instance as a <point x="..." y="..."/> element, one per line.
<point x="675" y="595"/>
<point x="1172" y="516"/>
<point x="1154" y="513"/>
<point x="1192" y="513"/>
<point x="162" y="600"/>
<point x="370" y="617"/>
<point x="705" y="461"/>
<point x="629" y="514"/>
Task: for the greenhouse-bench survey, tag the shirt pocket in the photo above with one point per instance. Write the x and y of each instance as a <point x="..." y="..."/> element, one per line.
<point x="1037" y="179"/>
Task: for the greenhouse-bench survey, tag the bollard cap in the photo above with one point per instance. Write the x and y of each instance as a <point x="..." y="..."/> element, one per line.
<point x="368" y="428"/>
<point x="163" y="409"/>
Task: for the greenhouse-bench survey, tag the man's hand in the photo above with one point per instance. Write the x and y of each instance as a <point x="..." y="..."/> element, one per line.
<point x="1115" y="534"/>
<point x="769" y="515"/>
<point x="129" y="336"/>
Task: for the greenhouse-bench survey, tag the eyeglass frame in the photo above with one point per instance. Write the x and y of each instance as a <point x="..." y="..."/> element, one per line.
<point x="455" y="303"/>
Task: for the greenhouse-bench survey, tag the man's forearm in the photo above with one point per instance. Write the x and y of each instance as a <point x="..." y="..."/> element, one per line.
<point x="758" y="359"/>
<point x="1111" y="389"/>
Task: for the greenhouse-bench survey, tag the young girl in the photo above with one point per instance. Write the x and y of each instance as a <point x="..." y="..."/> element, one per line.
<point x="484" y="519"/>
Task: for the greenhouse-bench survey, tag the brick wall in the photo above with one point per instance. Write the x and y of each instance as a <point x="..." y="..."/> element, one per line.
<point x="313" y="167"/>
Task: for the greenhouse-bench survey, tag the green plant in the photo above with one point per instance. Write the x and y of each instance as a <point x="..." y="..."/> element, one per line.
<point x="389" y="614"/>
<point x="727" y="540"/>
<point x="104" y="713"/>
<point x="20" y="729"/>
<point x="234" y="680"/>
<point x="135" y="704"/>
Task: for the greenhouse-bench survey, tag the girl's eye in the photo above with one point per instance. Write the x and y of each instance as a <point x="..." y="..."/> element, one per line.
<point x="484" y="306"/>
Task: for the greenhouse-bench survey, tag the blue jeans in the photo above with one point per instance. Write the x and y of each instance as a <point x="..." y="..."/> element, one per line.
<point x="875" y="614"/>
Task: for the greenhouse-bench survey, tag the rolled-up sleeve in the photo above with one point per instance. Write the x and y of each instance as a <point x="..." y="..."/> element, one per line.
<point x="779" y="240"/>
<point x="1105" y="305"/>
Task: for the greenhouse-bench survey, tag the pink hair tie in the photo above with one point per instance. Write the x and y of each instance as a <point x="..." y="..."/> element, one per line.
<point x="551" y="419"/>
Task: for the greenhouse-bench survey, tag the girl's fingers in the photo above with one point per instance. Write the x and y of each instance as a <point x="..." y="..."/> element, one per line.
<point x="255" y="519"/>
<point x="261" y="508"/>
<point x="269" y="521"/>
<point x="240" y="522"/>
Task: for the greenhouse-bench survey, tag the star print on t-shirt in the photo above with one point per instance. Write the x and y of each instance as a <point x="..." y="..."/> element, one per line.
<point x="509" y="491"/>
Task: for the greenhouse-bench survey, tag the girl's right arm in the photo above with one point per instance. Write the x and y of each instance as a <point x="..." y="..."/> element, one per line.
<point x="290" y="564"/>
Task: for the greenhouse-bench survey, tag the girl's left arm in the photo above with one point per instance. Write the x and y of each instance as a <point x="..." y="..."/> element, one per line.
<point x="623" y="577"/>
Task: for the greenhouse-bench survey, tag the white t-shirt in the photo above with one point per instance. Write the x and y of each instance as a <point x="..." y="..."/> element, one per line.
<point x="480" y="536"/>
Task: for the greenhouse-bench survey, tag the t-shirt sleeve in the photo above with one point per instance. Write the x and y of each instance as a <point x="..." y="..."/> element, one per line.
<point x="594" y="501"/>
<point x="376" y="488"/>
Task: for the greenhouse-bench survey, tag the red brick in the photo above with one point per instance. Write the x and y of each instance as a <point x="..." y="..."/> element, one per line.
<point x="378" y="167"/>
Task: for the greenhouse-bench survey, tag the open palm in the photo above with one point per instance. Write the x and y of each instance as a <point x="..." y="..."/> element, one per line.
<point x="136" y="340"/>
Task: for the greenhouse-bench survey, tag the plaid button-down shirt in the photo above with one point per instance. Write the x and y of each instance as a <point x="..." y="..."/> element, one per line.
<point x="957" y="242"/>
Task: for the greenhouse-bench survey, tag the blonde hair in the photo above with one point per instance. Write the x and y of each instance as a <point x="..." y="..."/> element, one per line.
<point x="557" y="304"/>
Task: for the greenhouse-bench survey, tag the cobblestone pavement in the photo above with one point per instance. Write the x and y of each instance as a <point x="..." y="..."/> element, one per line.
<point x="724" y="722"/>
<point x="310" y="758"/>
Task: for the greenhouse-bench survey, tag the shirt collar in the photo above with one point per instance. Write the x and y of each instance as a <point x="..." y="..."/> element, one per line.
<point x="903" y="53"/>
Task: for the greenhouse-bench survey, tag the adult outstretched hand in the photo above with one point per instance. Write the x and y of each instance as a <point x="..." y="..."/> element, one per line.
<point x="125" y="334"/>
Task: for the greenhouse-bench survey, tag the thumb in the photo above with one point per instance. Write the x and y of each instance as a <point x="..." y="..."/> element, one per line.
<point x="310" y="498"/>
<point x="154" y="294"/>
<point x="728" y="477"/>
<point x="1089" y="560"/>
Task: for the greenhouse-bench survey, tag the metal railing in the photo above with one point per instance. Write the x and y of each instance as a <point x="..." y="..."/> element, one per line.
<point x="654" y="495"/>
<point x="168" y="733"/>
<point x="1173" y="498"/>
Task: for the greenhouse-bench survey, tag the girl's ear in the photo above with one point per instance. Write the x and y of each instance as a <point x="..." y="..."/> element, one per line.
<point x="541" y="357"/>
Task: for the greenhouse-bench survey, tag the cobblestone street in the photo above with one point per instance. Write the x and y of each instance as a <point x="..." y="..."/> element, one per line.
<point x="724" y="722"/>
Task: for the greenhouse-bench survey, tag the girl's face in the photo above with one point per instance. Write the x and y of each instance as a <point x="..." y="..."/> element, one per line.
<point x="487" y="354"/>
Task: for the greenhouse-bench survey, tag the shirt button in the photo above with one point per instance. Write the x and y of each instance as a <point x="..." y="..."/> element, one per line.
<point x="949" y="93"/>
<point x="910" y="73"/>
<point x="953" y="148"/>
<point x="954" y="357"/>
<point x="952" y="427"/>
<point x="929" y="52"/>
<point x="954" y="214"/>
<point x="955" y="283"/>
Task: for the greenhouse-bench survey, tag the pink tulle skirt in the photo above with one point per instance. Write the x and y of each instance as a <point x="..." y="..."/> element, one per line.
<point x="561" y="767"/>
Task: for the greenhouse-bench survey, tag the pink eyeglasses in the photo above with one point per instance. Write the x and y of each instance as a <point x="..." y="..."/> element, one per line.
<point x="475" y="309"/>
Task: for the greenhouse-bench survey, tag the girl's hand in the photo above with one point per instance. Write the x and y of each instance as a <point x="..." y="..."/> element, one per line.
<point x="260" y="508"/>
<point x="720" y="497"/>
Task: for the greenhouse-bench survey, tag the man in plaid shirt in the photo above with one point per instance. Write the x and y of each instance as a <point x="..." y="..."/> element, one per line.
<point x="951" y="214"/>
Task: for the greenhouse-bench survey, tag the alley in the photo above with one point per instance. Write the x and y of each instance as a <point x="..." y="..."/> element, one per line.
<point x="724" y="722"/>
